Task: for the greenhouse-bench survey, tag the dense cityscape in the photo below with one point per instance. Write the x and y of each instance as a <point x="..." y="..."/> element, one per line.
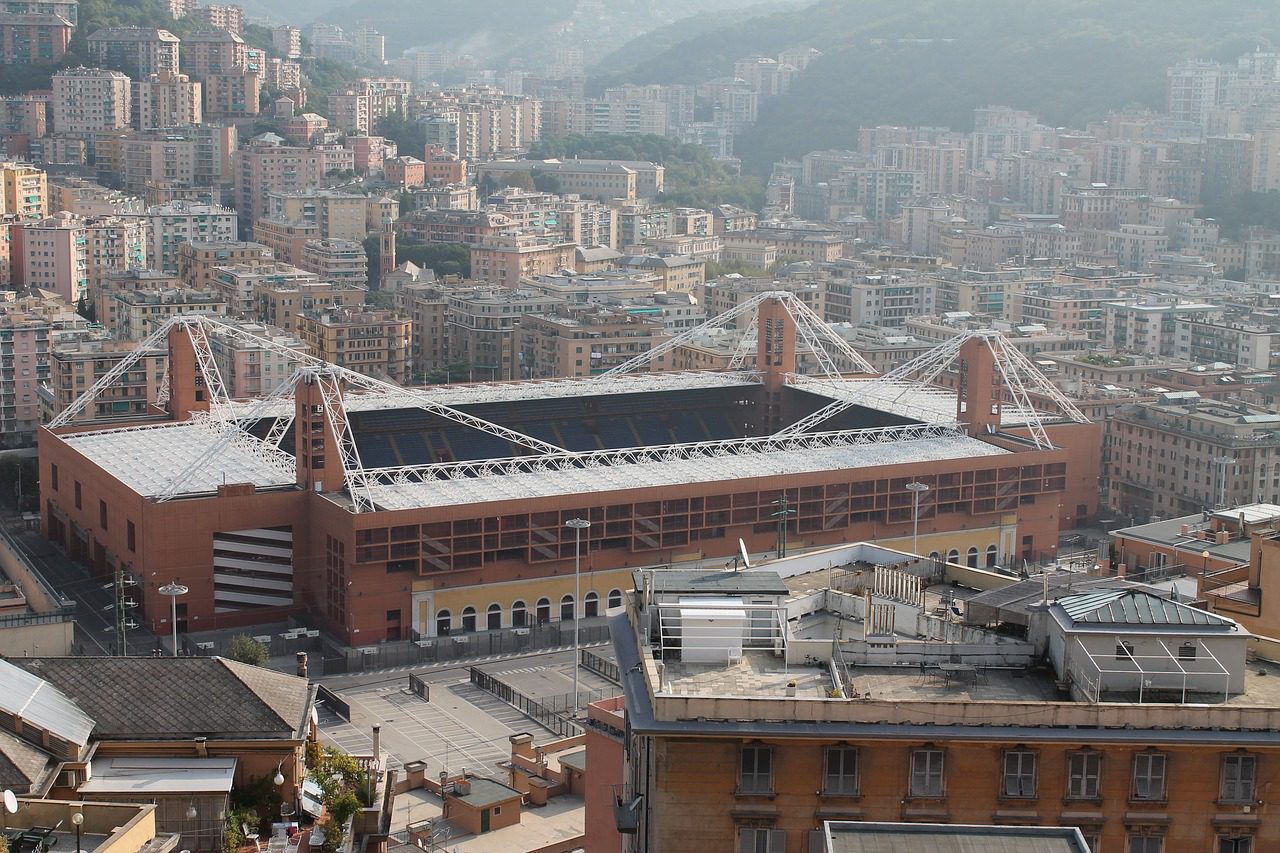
<point x="639" y="426"/>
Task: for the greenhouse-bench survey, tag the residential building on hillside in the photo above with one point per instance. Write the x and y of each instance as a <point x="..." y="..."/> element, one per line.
<point x="369" y="341"/>
<point x="137" y="51"/>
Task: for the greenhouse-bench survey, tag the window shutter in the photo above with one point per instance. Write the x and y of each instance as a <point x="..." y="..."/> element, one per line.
<point x="777" y="841"/>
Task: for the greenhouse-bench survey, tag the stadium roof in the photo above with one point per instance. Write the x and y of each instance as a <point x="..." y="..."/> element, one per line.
<point x="799" y="459"/>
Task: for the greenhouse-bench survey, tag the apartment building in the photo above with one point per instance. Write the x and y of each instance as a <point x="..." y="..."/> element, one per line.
<point x="482" y="328"/>
<point x="674" y="273"/>
<point x="24" y="191"/>
<point x="585" y="341"/>
<point x="104" y="303"/>
<point x="22" y="117"/>
<point x="229" y="18"/>
<point x="137" y="51"/>
<point x="369" y="341"/>
<point x="89" y="100"/>
<point x="281" y="303"/>
<point x="27" y="39"/>
<point x="604" y="180"/>
<point x="886" y="299"/>
<point x="817" y="245"/>
<point x="171" y="225"/>
<point x="1234" y="341"/>
<point x="86" y="198"/>
<point x="199" y="259"/>
<point x="249" y="369"/>
<point x="339" y="261"/>
<point x="1148" y="326"/>
<point x="24" y="364"/>
<point x="336" y="215"/>
<point x="1183" y="453"/>
<point x="74" y="367"/>
<point x="265" y="166"/>
<point x="714" y="759"/>
<point x="135" y="314"/>
<point x="1073" y="308"/>
<point x="166" y="100"/>
<point x="174" y="164"/>
<point x="287" y="40"/>
<point x="506" y="258"/>
<point x="233" y="94"/>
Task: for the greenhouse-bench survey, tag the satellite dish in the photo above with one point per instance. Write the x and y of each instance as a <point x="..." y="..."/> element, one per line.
<point x="10" y="802"/>
<point x="742" y="552"/>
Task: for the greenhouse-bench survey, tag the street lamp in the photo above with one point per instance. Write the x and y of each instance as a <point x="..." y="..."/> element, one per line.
<point x="578" y="525"/>
<point x="1204" y="557"/>
<point x="77" y="819"/>
<point x="916" y="489"/>
<point x="173" y="589"/>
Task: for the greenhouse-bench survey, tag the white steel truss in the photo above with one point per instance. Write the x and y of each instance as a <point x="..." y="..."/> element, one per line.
<point x="746" y="345"/>
<point x="809" y="327"/>
<point x="708" y="450"/>
<point x="148" y="345"/>
<point x="215" y="390"/>
<point x="1020" y="379"/>
<point x="233" y="432"/>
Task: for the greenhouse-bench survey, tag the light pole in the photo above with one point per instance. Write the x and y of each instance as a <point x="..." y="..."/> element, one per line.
<point x="173" y="589"/>
<point x="916" y="489"/>
<point x="578" y="525"/>
<point x="76" y="820"/>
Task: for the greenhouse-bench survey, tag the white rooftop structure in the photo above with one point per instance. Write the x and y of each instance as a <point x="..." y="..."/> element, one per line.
<point x="150" y="777"/>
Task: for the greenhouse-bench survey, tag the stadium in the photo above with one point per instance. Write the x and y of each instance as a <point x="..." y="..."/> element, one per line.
<point x="391" y="514"/>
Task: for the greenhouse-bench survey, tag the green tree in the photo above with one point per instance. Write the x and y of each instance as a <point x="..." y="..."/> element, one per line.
<point x="246" y="649"/>
<point x="519" y="180"/>
<point x="442" y="258"/>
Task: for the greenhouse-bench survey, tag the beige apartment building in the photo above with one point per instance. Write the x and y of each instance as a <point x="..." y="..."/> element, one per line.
<point x="24" y="191"/>
<point x="285" y="237"/>
<point x="171" y="225"/>
<point x="337" y="215"/>
<point x="230" y="18"/>
<point x="138" y="51"/>
<point x="167" y="99"/>
<point x="265" y="166"/>
<point x="198" y="260"/>
<point x="342" y="261"/>
<point x="585" y="342"/>
<point x="279" y="303"/>
<point x="506" y="258"/>
<point x="482" y="328"/>
<point x="233" y="94"/>
<point x="605" y="180"/>
<point x="137" y="313"/>
<point x="75" y="366"/>
<point x="24" y="364"/>
<point x="369" y="341"/>
<point x="88" y="100"/>
<point x="249" y="369"/>
<point x="212" y="51"/>
<point x="426" y="305"/>
<point x="128" y="280"/>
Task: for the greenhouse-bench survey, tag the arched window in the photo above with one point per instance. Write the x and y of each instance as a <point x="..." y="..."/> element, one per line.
<point x="973" y="557"/>
<point x="953" y="556"/>
<point x="993" y="556"/>
<point x="468" y="619"/>
<point x="615" y="598"/>
<point x="519" y="615"/>
<point x="590" y="605"/>
<point x="566" y="608"/>
<point x="444" y="622"/>
<point x="494" y="614"/>
<point x="544" y="611"/>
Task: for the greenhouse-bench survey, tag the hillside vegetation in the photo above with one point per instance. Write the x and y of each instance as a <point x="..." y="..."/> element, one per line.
<point x="931" y="62"/>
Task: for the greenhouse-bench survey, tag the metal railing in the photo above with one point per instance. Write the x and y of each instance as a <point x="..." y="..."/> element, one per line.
<point x="601" y="666"/>
<point x="554" y="721"/>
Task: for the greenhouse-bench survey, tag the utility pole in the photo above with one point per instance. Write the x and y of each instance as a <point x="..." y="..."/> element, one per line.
<point x="122" y="605"/>
<point x="782" y="514"/>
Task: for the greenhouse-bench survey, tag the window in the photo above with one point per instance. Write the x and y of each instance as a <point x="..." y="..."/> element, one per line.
<point x="468" y="618"/>
<point x="102" y="514"/>
<point x="494" y="617"/>
<point x="78" y="494"/>
<point x="1084" y="770"/>
<point x="1235" y="844"/>
<point x="757" y="770"/>
<point x="130" y="536"/>
<point x="53" y="477"/>
<point x="1148" y="776"/>
<point x="841" y="775"/>
<point x="1187" y="651"/>
<point x="566" y="609"/>
<point x="444" y="621"/>
<point x="1019" y="774"/>
<point x="519" y="615"/>
<point x="1124" y="651"/>
<point x="544" y="611"/>
<point x="1238" y="772"/>
<point x="590" y="605"/>
<point x="1146" y="844"/>
<point x="926" y="773"/>
<point x="993" y="556"/>
<point x="953" y="556"/>
<point x="753" y="839"/>
<point x="972" y="558"/>
<point x="615" y="598"/>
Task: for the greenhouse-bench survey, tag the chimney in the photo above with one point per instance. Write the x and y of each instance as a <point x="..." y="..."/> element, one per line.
<point x="302" y="664"/>
<point x="377" y="741"/>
